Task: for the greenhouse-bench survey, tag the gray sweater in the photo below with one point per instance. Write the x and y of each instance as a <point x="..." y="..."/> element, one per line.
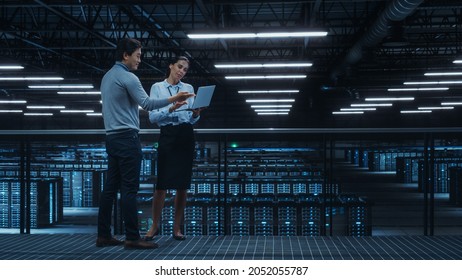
<point x="121" y="94"/>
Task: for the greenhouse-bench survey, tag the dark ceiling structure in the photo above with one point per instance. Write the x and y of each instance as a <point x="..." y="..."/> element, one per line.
<point x="370" y="48"/>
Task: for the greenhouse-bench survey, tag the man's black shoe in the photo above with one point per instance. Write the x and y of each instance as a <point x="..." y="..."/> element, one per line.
<point x="104" y="242"/>
<point x="140" y="244"/>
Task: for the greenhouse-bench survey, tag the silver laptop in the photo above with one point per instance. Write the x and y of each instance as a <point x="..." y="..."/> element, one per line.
<point x="203" y="97"/>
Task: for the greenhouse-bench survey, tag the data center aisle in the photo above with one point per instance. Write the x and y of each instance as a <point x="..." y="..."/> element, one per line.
<point x="82" y="247"/>
<point x="398" y="208"/>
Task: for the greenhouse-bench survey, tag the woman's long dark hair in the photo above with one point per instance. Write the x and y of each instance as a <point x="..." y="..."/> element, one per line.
<point x="175" y="60"/>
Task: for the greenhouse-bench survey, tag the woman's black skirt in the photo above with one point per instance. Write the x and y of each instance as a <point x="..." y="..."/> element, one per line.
<point x="175" y="157"/>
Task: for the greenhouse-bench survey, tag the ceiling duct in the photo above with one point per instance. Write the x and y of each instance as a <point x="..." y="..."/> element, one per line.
<point x="395" y="11"/>
<point x="396" y="36"/>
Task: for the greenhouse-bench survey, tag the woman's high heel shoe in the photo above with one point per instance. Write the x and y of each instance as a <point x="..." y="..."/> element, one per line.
<point x="179" y="237"/>
<point x="151" y="237"/>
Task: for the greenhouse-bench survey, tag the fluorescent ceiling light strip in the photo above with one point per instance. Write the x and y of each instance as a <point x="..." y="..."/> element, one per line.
<point x="31" y="79"/>
<point x="417" y="89"/>
<point x="77" y="111"/>
<point x="275" y="113"/>
<point x="358" y="109"/>
<point x="45" y="107"/>
<point x="390" y="99"/>
<point x="13" y="101"/>
<point x="457" y="61"/>
<point x="271" y="106"/>
<point x="222" y="36"/>
<point x="451" y="103"/>
<point x="347" y="113"/>
<point x="269" y="91"/>
<point x="38" y="114"/>
<point x="415" y="111"/>
<point x="269" y="100"/>
<point x="265" y="65"/>
<point x="10" y="111"/>
<point x="256" y="35"/>
<point x="372" y="105"/>
<point x="60" y="86"/>
<point x="80" y="92"/>
<point x="11" y="67"/>
<point x="443" y="74"/>
<point x="436" y="108"/>
<point x="433" y="83"/>
<point x="277" y="65"/>
<point x="292" y="34"/>
<point x="94" y="114"/>
<point x="266" y="77"/>
<point x="272" y="110"/>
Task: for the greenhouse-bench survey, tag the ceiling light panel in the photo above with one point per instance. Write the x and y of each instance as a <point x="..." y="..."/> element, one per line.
<point x="69" y="86"/>
<point x="271" y="106"/>
<point x="262" y="77"/>
<point x="443" y="74"/>
<point x="80" y="92"/>
<point x="257" y="35"/>
<point x="45" y="107"/>
<point x="269" y="100"/>
<point x="415" y="111"/>
<point x="11" y="67"/>
<point x="31" y="78"/>
<point x="419" y="89"/>
<point x="390" y="99"/>
<point x="268" y="91"/>
<point x="13" y="101"/>
<point x="265" y="65"/>
<point x="347" y="112"/>
<point x="433" y="83"/>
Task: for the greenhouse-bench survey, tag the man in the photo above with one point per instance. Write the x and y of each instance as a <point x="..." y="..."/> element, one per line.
<point x="122" y="93"/>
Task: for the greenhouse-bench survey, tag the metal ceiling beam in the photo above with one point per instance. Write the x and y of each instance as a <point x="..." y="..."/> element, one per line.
<point x="394" y="11"/>
<point x="38" y="46"/>
<point x="76" y="23"/>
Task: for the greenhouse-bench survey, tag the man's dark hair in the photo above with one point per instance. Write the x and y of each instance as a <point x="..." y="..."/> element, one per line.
<point x="127" y="45"/>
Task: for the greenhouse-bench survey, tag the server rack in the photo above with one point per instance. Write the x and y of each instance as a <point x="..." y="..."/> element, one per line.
<point x="309" y="216"/>
<point x="455" y="185"/>
<point x="239" y="220"/>
<point x="46" y="207"/>
<point x="263" y="215"/>
<point x="287" y="215"/>
<point x="358" y="215"/>
<point x="441" y="174"/>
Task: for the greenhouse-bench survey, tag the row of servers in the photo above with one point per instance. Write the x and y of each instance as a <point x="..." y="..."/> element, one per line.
<point x="82" y="184"/>
<point x="386" y="161"/>
<point x="266" y="215"/>
<point x="377" y="160"/>
<point x="357" y="156"/>
<point x="411" y="170"/>
<point x="263" y="186"/>
<point x="409" y="167"/>
<point x="253" y="181"/>
<point x="80" y="188"/>
<point x="46" y="204"/>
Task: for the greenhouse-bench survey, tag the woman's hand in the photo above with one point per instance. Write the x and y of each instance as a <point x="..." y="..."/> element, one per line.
<point x="197" y="112"/>
<point x="176" y="105"/>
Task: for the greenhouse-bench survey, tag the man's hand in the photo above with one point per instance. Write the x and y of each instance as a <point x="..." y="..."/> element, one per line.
<point x="180" y="96"/>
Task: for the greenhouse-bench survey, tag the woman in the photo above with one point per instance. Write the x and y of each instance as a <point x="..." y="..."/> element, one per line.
<point x="176" y="146"/>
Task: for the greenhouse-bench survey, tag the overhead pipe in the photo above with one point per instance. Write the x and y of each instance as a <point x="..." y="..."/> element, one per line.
<point x="397" y="10"/>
